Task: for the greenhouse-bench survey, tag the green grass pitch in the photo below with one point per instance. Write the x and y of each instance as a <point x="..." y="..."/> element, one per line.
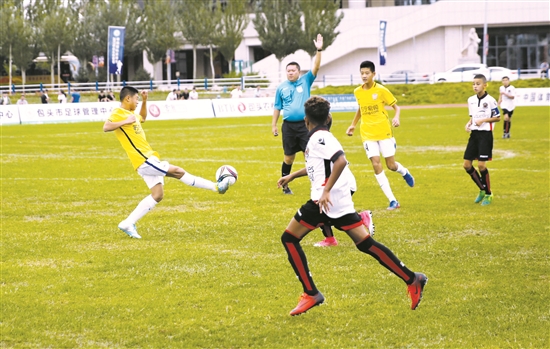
<point x="210" y="271"/>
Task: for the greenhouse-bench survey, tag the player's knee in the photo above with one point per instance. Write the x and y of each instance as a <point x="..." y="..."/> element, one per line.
<point x="158" y="196"/>
<point x="482" y="167"/>
<point x="288" y="237"/>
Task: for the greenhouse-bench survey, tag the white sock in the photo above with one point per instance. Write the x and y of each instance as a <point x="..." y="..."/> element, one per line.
<point x="385" y="185"/>
<point x="142" y="208"/>
<point x="400" y="169"/>
<point x="198" y="182"/>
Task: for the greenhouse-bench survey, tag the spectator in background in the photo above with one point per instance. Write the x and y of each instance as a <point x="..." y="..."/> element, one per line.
<point x="544" y="70"/>
<point x="62" y="97"/>
<point x="44" y="98"/>
<point x="172" y="96"/>
<point x="237" y="93"/>
<point x="75" y="97"/>
<point x="110" y="97"/>
<point x="257" y="92"/>
<point x="194" y="94"/>
<point x="5" y="99"/>
<point x="101" y="97"/>
<point x="185" y="94"/>
<point x="22" y="100"/>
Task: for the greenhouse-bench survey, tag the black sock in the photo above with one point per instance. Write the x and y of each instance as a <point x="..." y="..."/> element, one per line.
<point x="327" y="231"/>
<point x="475" y="177"/>
<point x="285" y="169"/>
<point x="509" y="126"/>
<point x="486" y="181"/>
<point x="386" y="257"/>
<point x="298" y="260"/>
<point x="506" y="126"/>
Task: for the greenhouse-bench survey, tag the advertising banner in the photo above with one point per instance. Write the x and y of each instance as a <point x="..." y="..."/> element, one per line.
<point x="382" y="44"/>
<point x="175" y="110"/>
<point x="9" y="114"/>
<point x="115" y="49"/>
<point x="341" y="102"/>
<point x="532" y="97"/>
<point x="243" y="107"/>
<point x="65" y="112"/>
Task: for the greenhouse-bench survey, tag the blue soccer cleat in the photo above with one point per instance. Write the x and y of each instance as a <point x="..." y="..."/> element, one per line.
<point x="409" y="179"/>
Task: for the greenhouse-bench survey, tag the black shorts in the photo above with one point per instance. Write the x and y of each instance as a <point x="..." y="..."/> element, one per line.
<point x="295" y="137"/>
<point x="480" y="146"/>
<point x="309" y="216"/>
<point x="509" y="112"/>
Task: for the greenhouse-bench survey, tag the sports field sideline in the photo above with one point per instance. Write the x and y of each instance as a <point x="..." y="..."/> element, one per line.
<point x="210" y="270"/>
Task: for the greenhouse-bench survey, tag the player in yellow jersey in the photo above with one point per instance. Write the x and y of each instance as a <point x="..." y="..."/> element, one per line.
<point x="127" y="127"/>
<point x="376" y="129"/>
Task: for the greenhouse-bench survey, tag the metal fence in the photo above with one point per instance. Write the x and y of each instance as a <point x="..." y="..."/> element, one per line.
<point x="265" y="82"/>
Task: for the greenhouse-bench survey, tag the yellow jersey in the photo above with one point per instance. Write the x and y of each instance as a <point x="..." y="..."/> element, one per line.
<point x="132" y="138"/>
<point x="375" y="121"/>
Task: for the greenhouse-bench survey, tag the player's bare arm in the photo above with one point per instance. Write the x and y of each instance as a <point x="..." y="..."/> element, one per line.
<point x="468" y="124"/>
<point x="337" y="168"/>
<point x="490" y="120"/>
<point x="143" y="110"/>
<point x="350" y="129"/>
<point x="111" y="126"/>
<point x="395" y="121"/>
<point x="317" y="63"/>
<point x="287" y="179"/>
<point x="274" y="129"/>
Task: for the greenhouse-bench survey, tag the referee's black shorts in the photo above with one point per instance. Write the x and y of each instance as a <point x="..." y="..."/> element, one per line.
<point x="295" y="137"/>
<point x="480" y="146"/>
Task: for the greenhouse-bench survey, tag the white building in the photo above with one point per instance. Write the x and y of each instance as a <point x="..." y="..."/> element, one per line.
<point x="426" y="38"/>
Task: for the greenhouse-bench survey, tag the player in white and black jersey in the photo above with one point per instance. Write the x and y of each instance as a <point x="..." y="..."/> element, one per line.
<point x="331" y="203"/>
<point x="483" y="113"/>
<point x="507" y="104"/>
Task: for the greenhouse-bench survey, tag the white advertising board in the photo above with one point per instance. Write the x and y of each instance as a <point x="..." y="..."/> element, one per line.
<point x="175" y="110"/>
<point x="65" y="112"/>
<point x="528" y="97"/>
<point x="9" y="114"/>
<point x="243" y="107"/>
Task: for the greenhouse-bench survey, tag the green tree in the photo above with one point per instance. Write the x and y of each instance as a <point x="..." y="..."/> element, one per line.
<point x="197" y="25"/>
<point x="320" y="17"/>
<point x="159" y="27"/>
<point x="54" y="22"/>
<point x="229" y="31"/>
<point x="16" y="36"/>
<point x="279" y="26"/>
<point x="24" y="48"/>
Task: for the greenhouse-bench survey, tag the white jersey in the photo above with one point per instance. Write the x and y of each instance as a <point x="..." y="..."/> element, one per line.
<point x="321" y="152"/>
<point x="507" y="102"/>
<point x="482" y="108"/>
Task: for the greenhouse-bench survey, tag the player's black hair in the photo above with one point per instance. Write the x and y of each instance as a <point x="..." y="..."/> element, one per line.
<point x="317" y="109"/>
<point x="294" y="63"/>
<point x="368" y="64"/>
<point x="128" y="91"/>
<point x="482" y="77"/>
<point x="505" y="77"/>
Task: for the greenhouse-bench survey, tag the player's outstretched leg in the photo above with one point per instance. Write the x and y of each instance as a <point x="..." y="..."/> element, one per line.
<point x="415" y="281"/>
<point x="297" y="258"/>
<point x="194" y="181"/>
<point x="329" y="240"/>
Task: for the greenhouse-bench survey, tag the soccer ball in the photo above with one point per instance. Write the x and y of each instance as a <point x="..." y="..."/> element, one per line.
<point x="227" y="172"/>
